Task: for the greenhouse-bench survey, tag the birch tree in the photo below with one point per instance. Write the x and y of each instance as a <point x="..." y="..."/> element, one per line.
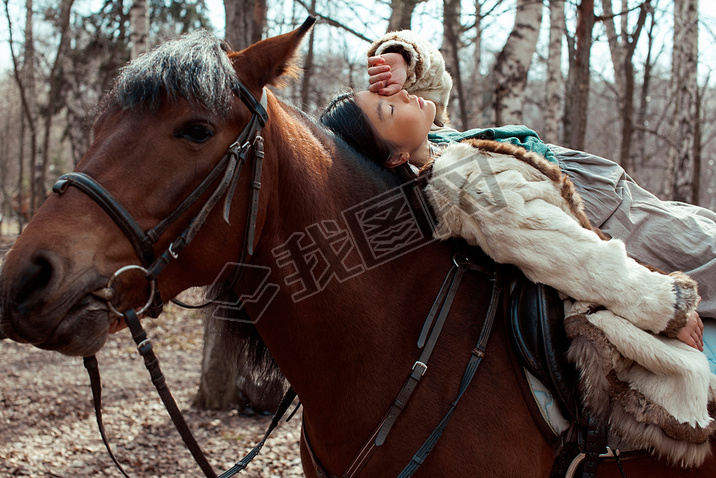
<point x="578" y="80"/>
<point x="622" y="46"/>
<point x="555" y="80"/>
<point x="513" y="63"/>
<point x="139" y="27"/>
<point x="684" y="91"/>
<point x="245" y="22"/>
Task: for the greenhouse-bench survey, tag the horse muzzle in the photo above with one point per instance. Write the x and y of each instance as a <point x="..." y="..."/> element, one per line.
<point x="43" y="305"/>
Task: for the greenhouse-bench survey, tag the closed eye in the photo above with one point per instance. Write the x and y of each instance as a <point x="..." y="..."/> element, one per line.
<point x="195" y="132"/>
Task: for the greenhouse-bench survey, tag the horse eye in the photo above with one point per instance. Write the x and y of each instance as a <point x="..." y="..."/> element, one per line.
<point x="197" y="133"/>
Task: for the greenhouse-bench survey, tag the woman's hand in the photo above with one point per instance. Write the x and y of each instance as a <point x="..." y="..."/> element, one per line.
<point x="693" y="332"/>
<point x="387" y="73"/>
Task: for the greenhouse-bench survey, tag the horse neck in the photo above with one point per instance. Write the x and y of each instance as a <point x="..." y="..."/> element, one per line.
<point x="318" y="179"/>
<point x="329" y="344"/>
<point x="348" y="347"/>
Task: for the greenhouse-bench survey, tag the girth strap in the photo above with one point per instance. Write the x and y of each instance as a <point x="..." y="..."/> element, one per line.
<point x="595" y="446"/>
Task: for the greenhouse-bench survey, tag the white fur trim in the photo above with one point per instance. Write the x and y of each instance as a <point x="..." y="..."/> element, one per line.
<point x="666" y="371"/>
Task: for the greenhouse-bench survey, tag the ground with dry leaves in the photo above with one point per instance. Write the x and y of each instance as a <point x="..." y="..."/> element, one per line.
<point x="48" y="429"/>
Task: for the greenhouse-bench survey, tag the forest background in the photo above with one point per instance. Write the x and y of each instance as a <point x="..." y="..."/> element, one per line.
<point x="595" y="75"/>
<point x="630" y="80"/>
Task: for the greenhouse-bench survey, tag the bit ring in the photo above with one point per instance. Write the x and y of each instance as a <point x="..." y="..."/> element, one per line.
<point x="152" y="288"/>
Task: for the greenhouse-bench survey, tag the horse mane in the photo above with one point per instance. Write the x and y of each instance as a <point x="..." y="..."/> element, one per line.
<point x="194" y="66"/>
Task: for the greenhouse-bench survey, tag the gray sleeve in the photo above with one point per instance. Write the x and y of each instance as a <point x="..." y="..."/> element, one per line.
<point x="668" y="235"/>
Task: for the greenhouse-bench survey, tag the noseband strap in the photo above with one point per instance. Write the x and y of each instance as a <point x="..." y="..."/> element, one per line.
<point x="140" y="240"/>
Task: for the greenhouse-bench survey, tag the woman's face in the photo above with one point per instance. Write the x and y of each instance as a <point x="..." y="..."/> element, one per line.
<point x="403" y="120"/>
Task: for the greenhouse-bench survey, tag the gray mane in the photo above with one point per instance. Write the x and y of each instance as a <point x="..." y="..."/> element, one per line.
<point x="195" y="67"/>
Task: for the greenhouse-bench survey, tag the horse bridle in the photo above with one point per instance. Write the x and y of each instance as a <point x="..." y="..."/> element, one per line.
<point x="143" y="242"/>
<point x="228" y="169"/>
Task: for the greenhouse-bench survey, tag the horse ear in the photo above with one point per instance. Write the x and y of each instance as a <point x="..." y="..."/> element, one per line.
<point x="265" y="62"/>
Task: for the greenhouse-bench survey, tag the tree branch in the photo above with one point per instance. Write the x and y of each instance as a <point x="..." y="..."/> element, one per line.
<point x="331" y="22"/>
<point x="16" y="71"/>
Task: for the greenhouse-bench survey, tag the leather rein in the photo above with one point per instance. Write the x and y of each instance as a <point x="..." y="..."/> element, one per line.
<point x="227" y="171"/>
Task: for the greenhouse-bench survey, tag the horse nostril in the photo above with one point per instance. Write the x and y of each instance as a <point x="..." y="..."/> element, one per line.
<point x="33" y="280"/>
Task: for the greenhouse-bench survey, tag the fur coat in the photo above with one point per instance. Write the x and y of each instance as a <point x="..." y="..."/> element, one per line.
<point x="622" y="317"/>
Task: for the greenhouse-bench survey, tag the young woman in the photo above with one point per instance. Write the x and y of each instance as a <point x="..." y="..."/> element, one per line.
<point x="406" y="131"/>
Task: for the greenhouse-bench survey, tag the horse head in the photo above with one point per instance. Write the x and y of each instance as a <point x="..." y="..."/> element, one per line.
<point x="169" y="143"/>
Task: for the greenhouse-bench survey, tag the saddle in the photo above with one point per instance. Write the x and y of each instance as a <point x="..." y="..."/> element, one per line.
<point x="539" y="340"/>
<point x="535" y="326"/>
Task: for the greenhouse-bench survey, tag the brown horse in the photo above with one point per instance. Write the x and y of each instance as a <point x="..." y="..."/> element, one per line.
<point x="340" y="311"/>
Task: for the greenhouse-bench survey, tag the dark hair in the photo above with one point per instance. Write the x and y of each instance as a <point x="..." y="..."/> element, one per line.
<point x="344" y="117"/>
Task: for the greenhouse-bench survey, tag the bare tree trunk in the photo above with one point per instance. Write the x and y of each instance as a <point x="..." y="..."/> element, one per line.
<point x="684" y="90"/>
<point x="28" y="92"/>
<point x="644" y="98"/>
<point x="21" y="172"/>
<point x="476" y="87"/>
<point x="451" y="52"/>
<point x="53" y="104"/>
<point x="401" y="13"/>
<point x="6" y="202"/>
<point x="513" y="63"/>
<point x="622" y="46"/>
<point x="139" y="27"/>
<point x="245" y="22"/>
<point x="555" y="80"/>
<point x="577" y="94"/>
<point x="696" y="187"/>
<point x="225" y="381"/>
<point x="308" y="65"/>
<point x="25" y="78"/>
<point x="219" y="374"/>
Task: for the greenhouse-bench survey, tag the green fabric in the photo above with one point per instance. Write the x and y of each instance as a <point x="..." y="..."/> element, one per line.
<point x="516" y="134"/>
